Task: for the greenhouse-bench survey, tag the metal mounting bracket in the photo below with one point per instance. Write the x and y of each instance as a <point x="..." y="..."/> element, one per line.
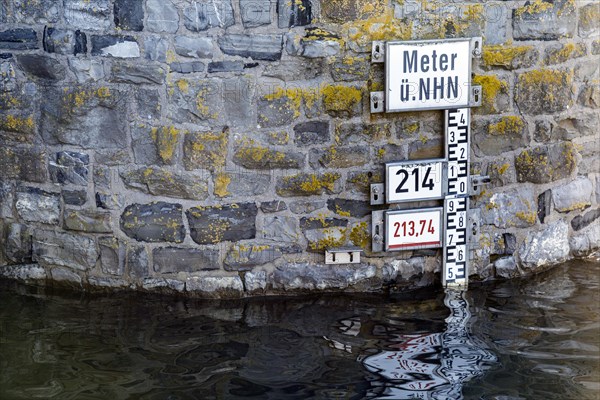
<point x="476" y="46"/>
<point x="377" y="102"/>
<point x="476" y="96"/>
<point x="377" y="194"/>
<point x="378" y="52"/>
<point x="377" y="231"/>
<point x="476" y="184"/>
<point x="474" y="227"/>
<point x="343" y="255"/>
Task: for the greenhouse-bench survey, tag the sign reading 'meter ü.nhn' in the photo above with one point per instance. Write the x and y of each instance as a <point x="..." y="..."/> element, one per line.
<point x="425" y="75"/>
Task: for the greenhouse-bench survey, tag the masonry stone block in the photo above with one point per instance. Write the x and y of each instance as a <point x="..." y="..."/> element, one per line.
<point x="162" y="182"/>
<point x="240" y="184"/>
<point x="280" y="229"/>
<point x="90" y="221"/>
<point x="70" y="167"/>
<point x="205" y="150"/>
<point x="246" y="256"/>
<point x="230" y="222"/>
<point x="156" y="48"/>
<point x="272" y="206"/>
<point x="18" y="244"/>
<point x="257" y="47"/>
<point x="306" y="184"/>
<point x="136" y="73"/>
<point x="206" y="14"/>
<point x="137" y="262"/>
<point x="544" y="91"/>
<point x="544" y="20"/>
<point x="18" y="39"/>
<point x="115" y="46"/>
<point x="574" y="195"/>
<point x="545" y="164"/>
<point x="112" y="255"/>
<point x="311" y="132"/>
<point x="28" y="12"/>
<point x="511" y="208"/>
<point x="349" y="207"/>
<point x="194" y="100"/>
<point x="24" y="163"/>
<point x="65" y="42"/>
<point x="162" y="16"/>
<point x="154" y="222"/>
<point x="74" y="197"/>
<point x="77" y="252"/>
<point x="547" y="247"/>
<point x="339" y="157"/>
<point x="582" y="221"/>
<point x="255" y="12"/>
<point x="37" y="205"/>
<point x="172" y="260"/>
<point x="187" y="67"/>
<point x="500" y="135"/>
<point x="129" y="15"/>
<point x="296" y="13"/>
<point x="86" y="15"/>
<point x="42" y="67"/>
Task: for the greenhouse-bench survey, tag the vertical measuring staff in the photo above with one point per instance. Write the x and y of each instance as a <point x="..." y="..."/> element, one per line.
<point x="456" y="204"/>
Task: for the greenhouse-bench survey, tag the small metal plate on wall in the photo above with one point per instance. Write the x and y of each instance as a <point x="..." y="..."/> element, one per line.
<point x="377" y="194"/>
<point x="476" y="96"/>
<point x="378" y="52"/>
<point x="473" y="229"/>
<point x="377" y="233"/>
<point x="476" y="46"/>
<point x="377" y="102"/>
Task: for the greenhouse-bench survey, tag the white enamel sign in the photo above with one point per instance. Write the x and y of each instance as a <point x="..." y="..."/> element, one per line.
<point x="413" y="229"/>
<point x="414" y="180"/>
<point x="427" y="75"/>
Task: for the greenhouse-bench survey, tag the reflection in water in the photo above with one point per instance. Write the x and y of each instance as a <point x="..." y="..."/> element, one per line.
<point x="435" y="365"/>
<point x="535" y="339"/>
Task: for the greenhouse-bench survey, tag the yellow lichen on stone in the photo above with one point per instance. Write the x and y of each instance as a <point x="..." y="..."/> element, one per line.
<point x="491" y="87"/>
<point x="333" y="237"/>
<point x="534" y="7"/>
<point x="502" y="55"/>
<point x="339" y="211"/>
<point x="509" y="125"/>
<point x="547" y="81"/>
<point x="222" y="182"/>
<point x="565" y="53"/>
<point x="528" y="217"/>
<point x="17" y="124"/>
<point x="314" y="184"/>
<point x="382" y="26"/>
<point x="166" y="139"/>
<point x="183" y="85"/>
<point x="360" y="235"/>
<point x="340" y="98"/>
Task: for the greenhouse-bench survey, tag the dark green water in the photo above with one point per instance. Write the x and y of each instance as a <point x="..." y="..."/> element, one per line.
<point x="538" y="339"/>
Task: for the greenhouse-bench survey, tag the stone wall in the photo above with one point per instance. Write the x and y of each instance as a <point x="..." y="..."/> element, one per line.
<point x="218" y="147"/>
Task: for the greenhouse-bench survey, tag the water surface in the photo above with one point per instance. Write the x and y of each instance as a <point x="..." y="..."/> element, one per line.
<point x="534" y="339"/>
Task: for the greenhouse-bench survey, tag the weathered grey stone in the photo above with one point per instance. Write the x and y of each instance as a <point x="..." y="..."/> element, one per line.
<point x="23" y="163"/>
<point x="205" y="14"/>
<point x="544" y="91"/>
<point x="581" y="124"/>
<point x="187" y="46"/>
<point x="274" y="110"/>
<point x="545" y="248"/>
<point x="306" y="206"/>
<point x="294" y="13"/>
<point x="311" y="276"/>
<point x="548" y="21"/>
<point x="225" y="66"/>
<point x="18" y="244"/>
<point x="109" y="201"/>
<point x="255" y="12"/>
<point x="280" y="229"/>
<point x="102" y="177"/>
<point x="501" y="135"/>
<point x="115" y="46"/>
<point x="194" y="100"/>
<point x="162" y="16"/>
<point x="64" y="249"/>
<point x="576" y="194"/>
<point x="303" y="69"/>
<point x="65" y="114"/>
<point x="253" y="156"/>
<point x="137" y="261"/>
<point x="560" y="53"/>
<point x="391" y="153"/>
<point x="307" y="223"/>
<point x="244" y="257"/>
<point x="66" y="277"/>
<point x="70" y="167"/>
<point x="311" y="132"/>
<point x="172" y="260"/>
<point x="546" y="163"/>
<point x="422" y="149"/>
<point x="257" y="47"/>
<point x="129" y="15"/>
<point x="588" y="20"/>
<point x="7" y="199"/>
<point x="87" y="15"/>
<point x="88" y="221"/>
<point x="86" y="70"/>
<point x="155" y="48"/>
<point x="589" y="96"/>
<point x="28" y="12"/>
<point x="320" y="48"/>
<point x="138" y="73"/>
<point x="64" y="42"/>
<point x="241" y="184"/>
<point x="162" y="285"/>
<point x="582" y="221"/>
<point x="18" y="39"/>
<point x="74" y="197"/>
<point x="36" y="205"/>
<point x="321" y="239"/>
<point x="148" y="103"/>
<point x="506" y="267"/>
<point x="589" y="163"/>
<point x="154" y="222"/>
<point x="348" y="207"/>
<point x="239" y="102"/>
<point x="351" y="69"/>
<point x="30" y="273"/>
<point x="544" y="205"/>
<point x="304" y="184"/>
<point x="102" y="282"/>
<point x="205" y="150"/>
<point x="223" y="286"/>
<point x="230" y="222"/>
<point x="266" y="206"/>
<point x="112" y="256"/>
<point x="161" y="182"/>
<point x="255" y="280"/>
<point x="113" y="157"/>
<point x="18" y="128"/>
<point x="187" y="67"/>
<point x="40" y="66"/>
<point x="586" y="241"/>
<point x="543" y="131"/>
<point x="339" y="157"/>
<point x="359" y="182"/>
<point x="514" y="207"/>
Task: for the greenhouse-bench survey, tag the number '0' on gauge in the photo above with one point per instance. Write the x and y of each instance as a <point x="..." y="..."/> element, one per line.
<point x="414" y="180"/>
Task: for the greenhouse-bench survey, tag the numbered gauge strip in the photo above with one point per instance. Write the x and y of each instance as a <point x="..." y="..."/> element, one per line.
<point x="415" y="180"/>
<point x="455" y="240"/>
<point x="457" y="151"/>
<point x="413" y="229"/>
